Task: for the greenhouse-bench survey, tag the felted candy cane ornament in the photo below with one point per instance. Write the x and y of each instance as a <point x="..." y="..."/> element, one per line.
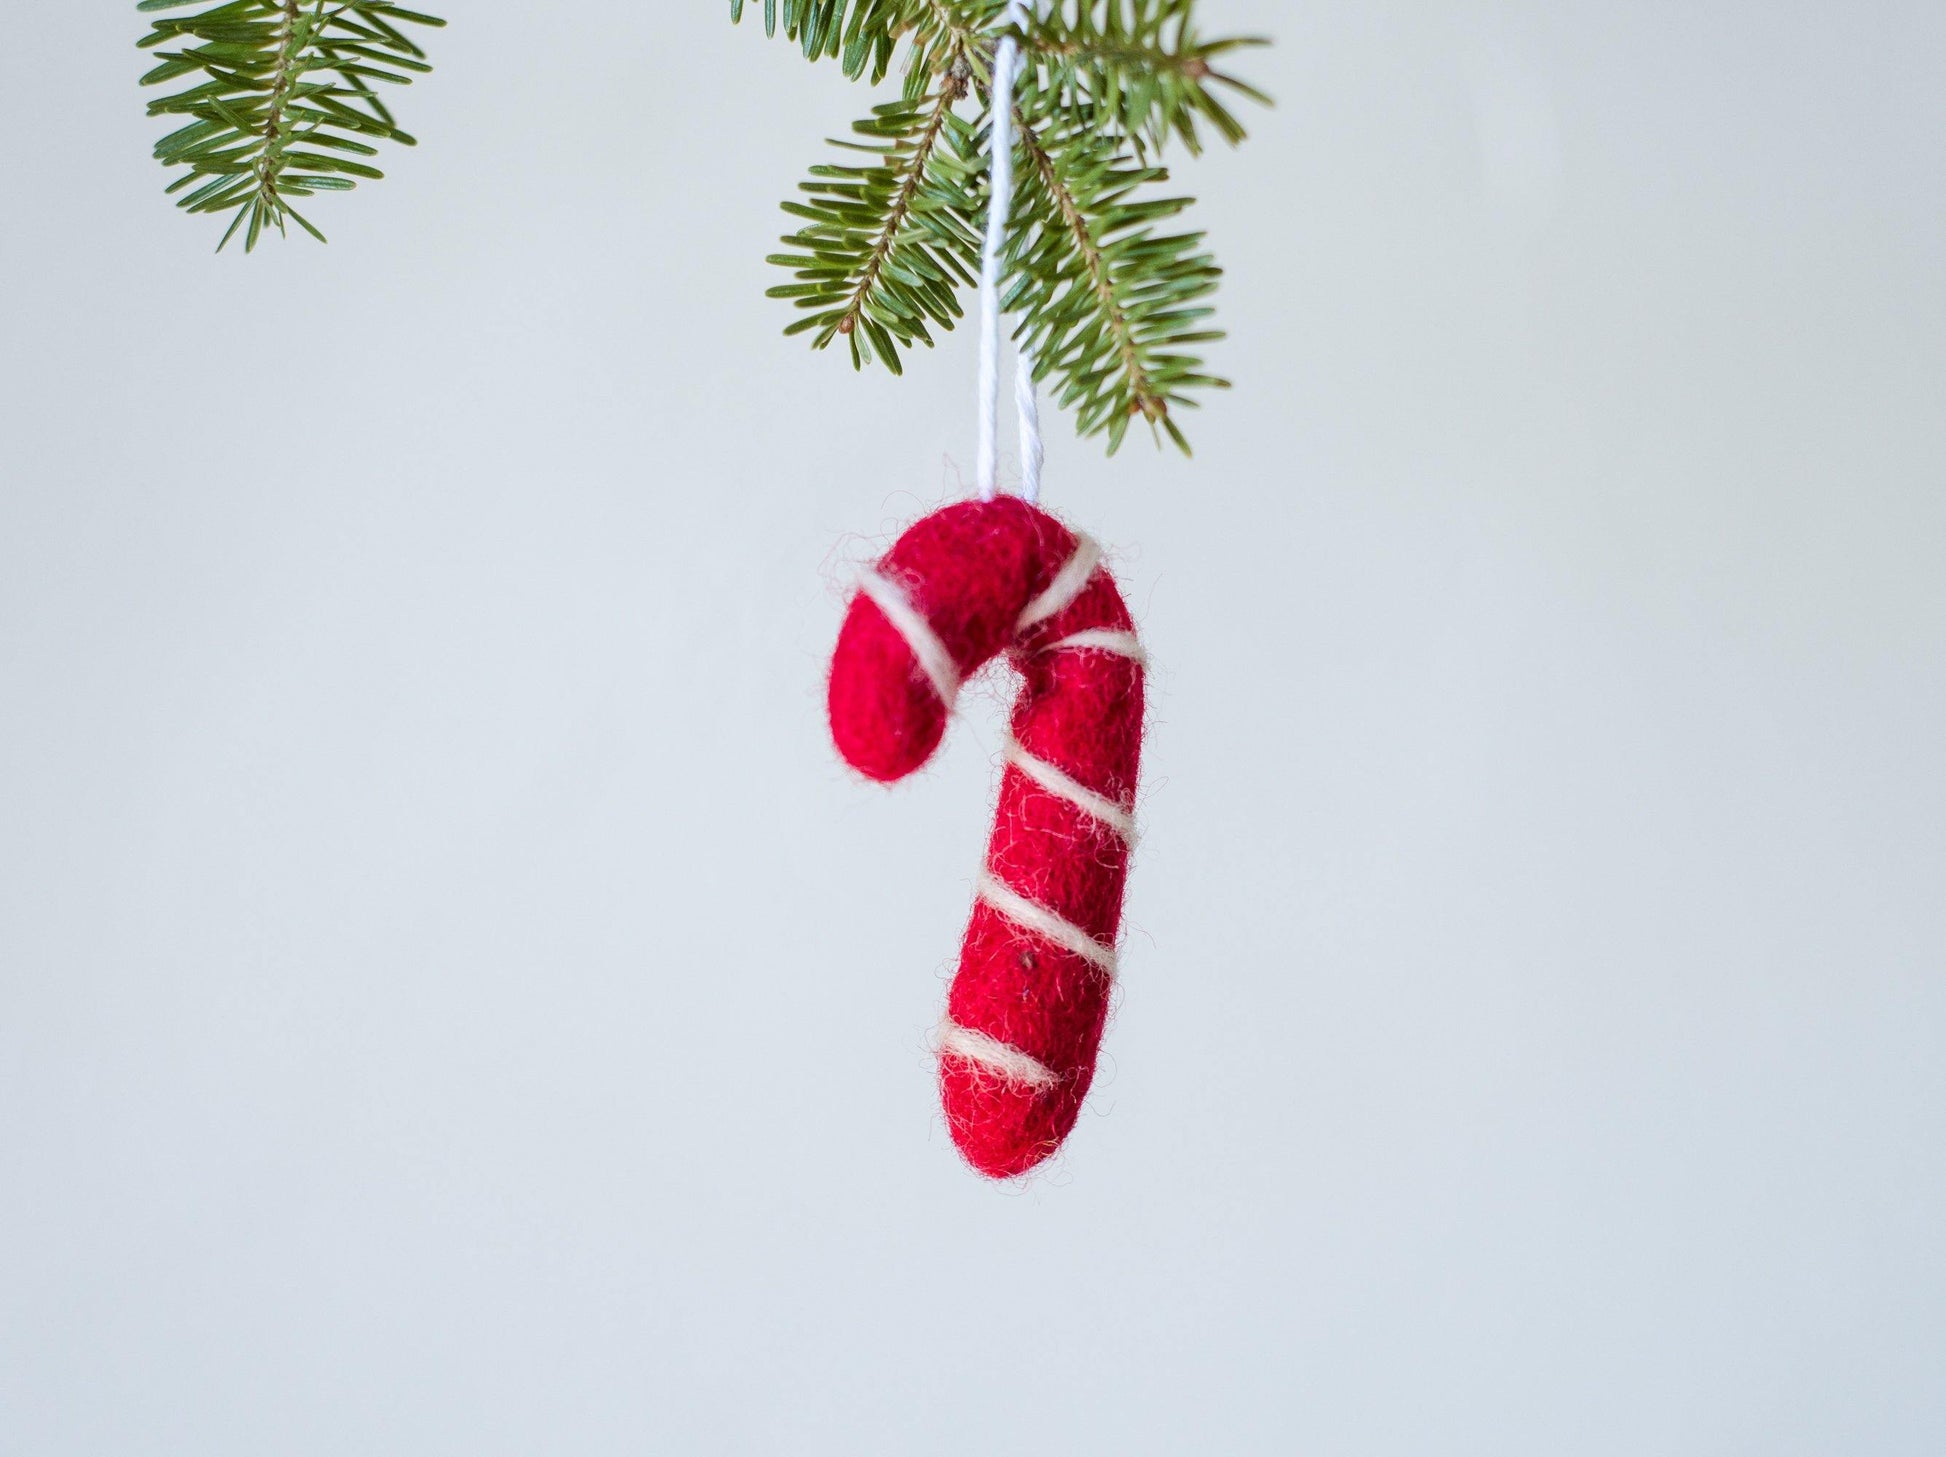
<point x="964" y="585"/>
<point x="1025" y="1015"/>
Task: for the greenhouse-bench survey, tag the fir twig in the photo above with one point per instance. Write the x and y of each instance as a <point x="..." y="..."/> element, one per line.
<point x="887" y="244"/>
<point x="1138" y="67"/>
<point x="284" y="103"/>
<point x="1108" y="304"/>
<point x="1111" y="306"/>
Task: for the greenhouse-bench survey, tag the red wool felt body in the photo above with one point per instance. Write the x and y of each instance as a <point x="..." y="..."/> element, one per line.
<point x="1025" y="1015"/>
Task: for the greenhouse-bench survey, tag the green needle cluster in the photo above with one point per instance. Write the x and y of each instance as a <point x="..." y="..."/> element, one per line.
<point x="1113" y="303"/>
<point x="284" y="103"/>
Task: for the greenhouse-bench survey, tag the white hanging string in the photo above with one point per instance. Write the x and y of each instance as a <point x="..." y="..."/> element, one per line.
<point x="1027" y="402"/>
<point x="1006" y="62"/>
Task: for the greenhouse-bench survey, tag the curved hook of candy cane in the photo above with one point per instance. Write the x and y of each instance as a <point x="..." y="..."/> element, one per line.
<point x="1026" y="1010"/>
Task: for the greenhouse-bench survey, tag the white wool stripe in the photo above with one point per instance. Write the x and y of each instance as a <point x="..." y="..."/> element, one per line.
<point x="1069" y="583"/>
<point x="1043" y="922"/>
<point x="1102" y="640"/>
<point x="1064" y="786"/>
<point x="937" y="663"/>
<point x="995" y="1056"/>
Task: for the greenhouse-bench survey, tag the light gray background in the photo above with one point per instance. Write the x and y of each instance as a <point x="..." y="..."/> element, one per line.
<point x="451" y="1001"/>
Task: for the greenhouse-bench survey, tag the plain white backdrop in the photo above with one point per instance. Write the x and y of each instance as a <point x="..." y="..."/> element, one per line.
<point x="452" y="1001"/>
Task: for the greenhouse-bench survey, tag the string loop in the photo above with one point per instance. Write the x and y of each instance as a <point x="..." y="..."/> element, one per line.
<point x="1006" y="65"/>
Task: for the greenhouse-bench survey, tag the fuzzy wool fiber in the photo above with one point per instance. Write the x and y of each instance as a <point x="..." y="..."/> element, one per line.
<point x="1026" y="1011"/>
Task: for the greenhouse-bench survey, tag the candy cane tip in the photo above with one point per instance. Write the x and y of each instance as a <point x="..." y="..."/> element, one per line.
<point x="885" y="710"/>
<point x="1002" y="1129"/>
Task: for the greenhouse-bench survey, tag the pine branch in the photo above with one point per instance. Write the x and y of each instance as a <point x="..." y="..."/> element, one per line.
<point x="863" y="34"/>
<point x="278" y="77"/>
<point x="1109" y="305"/>
<point x="888" y="244"/>
<point x="1138" y="66"/>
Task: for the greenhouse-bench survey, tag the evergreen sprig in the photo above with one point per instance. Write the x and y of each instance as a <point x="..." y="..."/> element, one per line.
<point x="863" y="34"/>
<point x="1140" y="68"/>
<point x="1113" y="305"/>
<point x="283" y="105"/>
<point x="887" y="245"/>
<point x="1108" y="303"/>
